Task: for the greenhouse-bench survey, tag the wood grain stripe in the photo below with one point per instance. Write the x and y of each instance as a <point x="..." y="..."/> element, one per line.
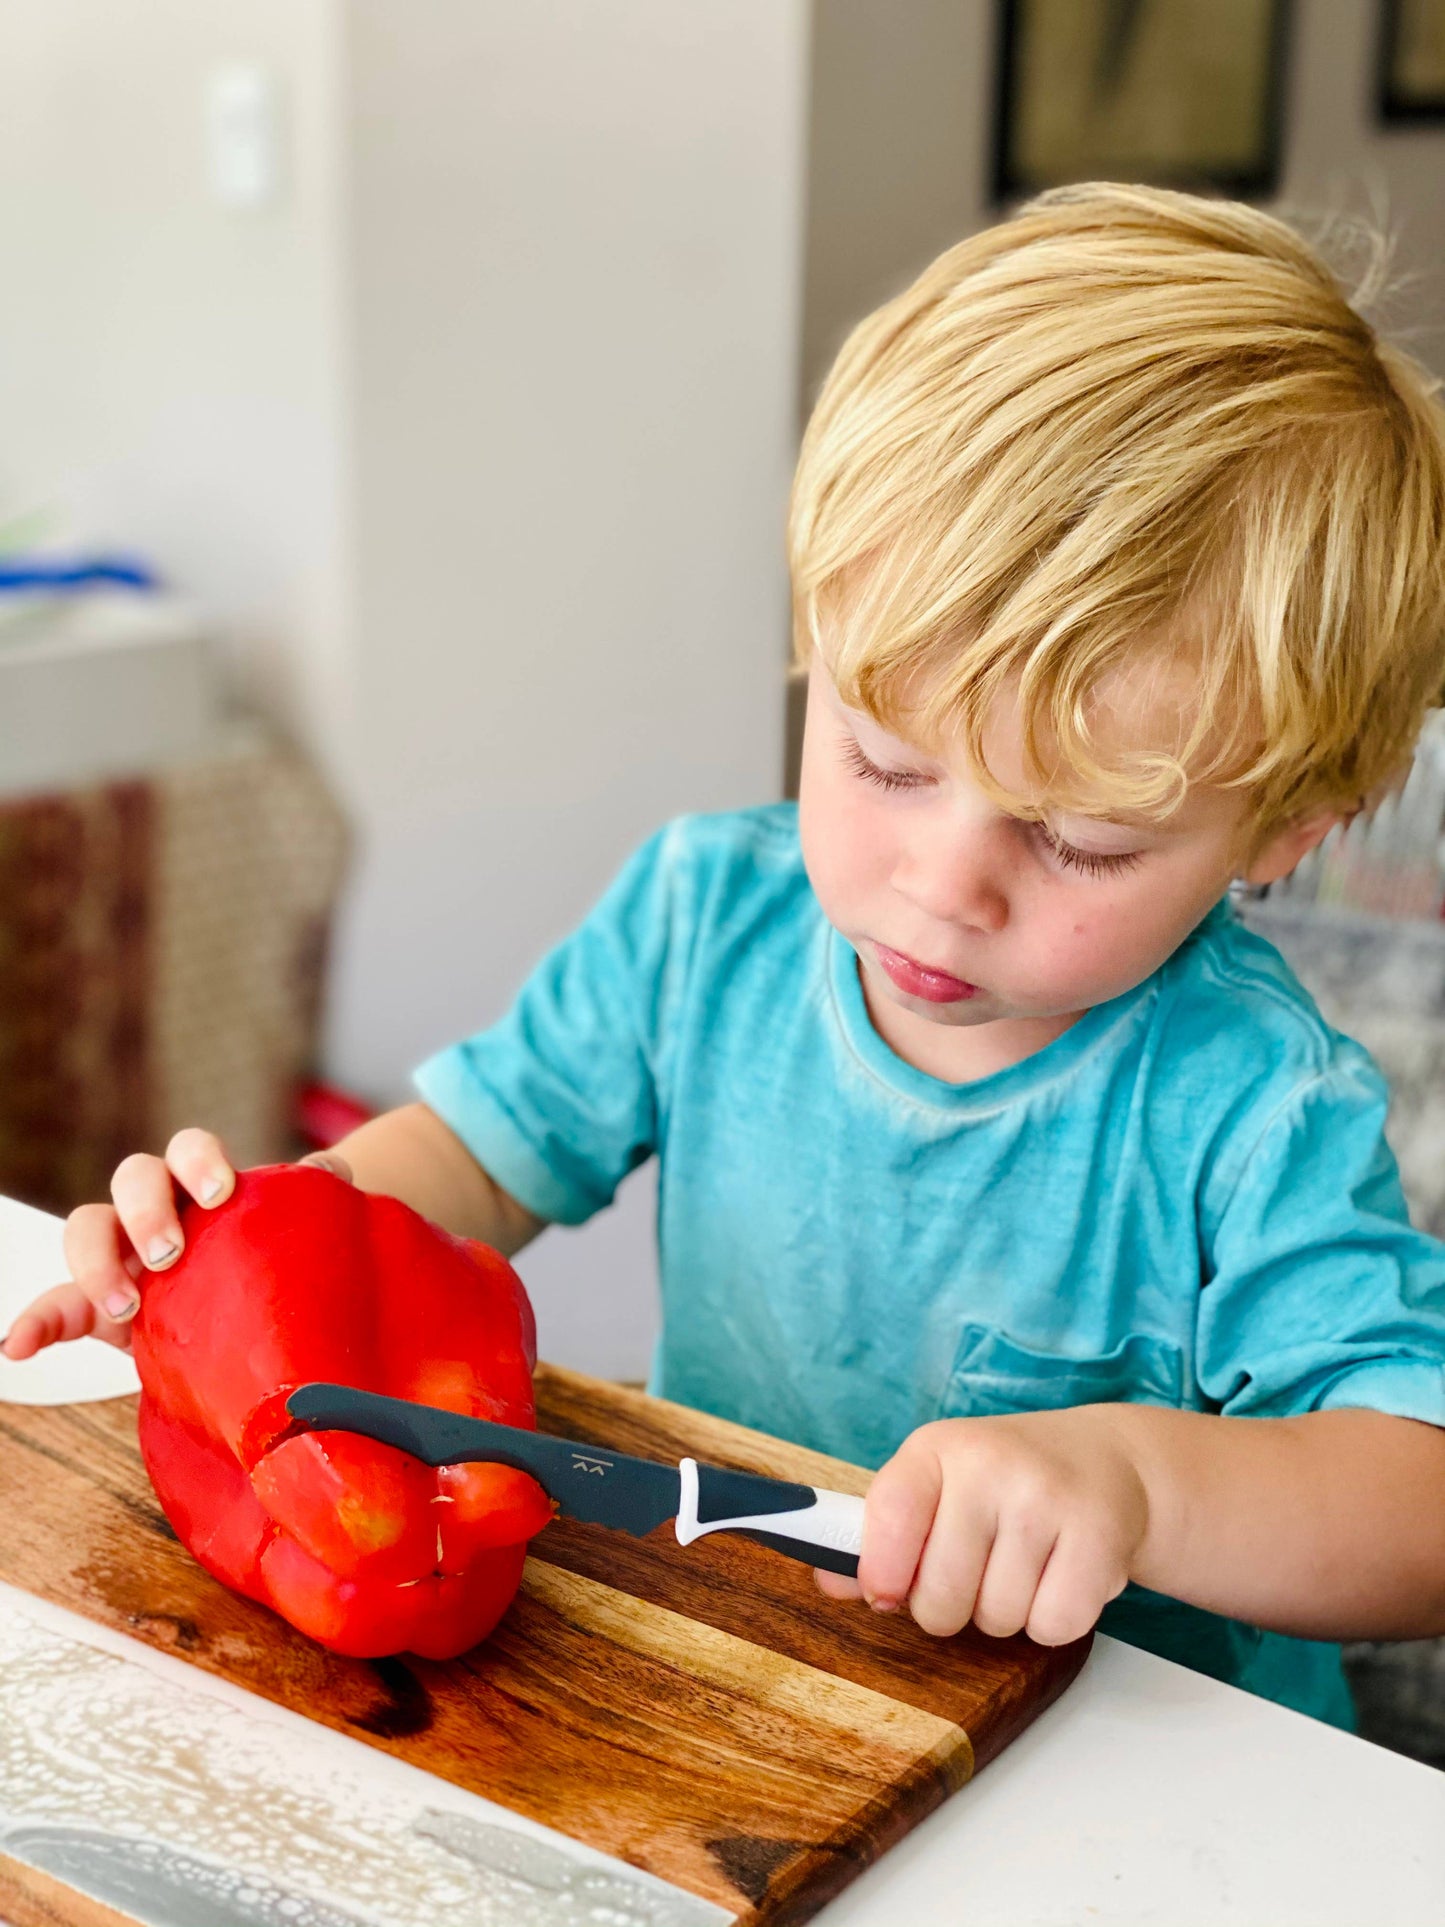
<point x="897" y="1737"/>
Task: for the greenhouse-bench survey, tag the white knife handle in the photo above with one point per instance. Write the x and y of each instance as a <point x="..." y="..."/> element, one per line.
<point x="830" y="1525"/>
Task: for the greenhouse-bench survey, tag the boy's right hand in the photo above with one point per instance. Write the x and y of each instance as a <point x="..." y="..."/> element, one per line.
<point x="110" y="1247"/>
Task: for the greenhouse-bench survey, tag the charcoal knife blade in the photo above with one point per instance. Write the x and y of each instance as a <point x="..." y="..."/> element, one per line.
<point x="604" y="1487"/>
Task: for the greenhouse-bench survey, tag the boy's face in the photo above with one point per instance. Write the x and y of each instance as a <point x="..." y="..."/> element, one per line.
<point x="962" y="915"/>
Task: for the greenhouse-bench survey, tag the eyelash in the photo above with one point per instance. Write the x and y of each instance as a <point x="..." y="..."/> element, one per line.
<point x="886" y="779"/>
<point x="1094" y="863"/>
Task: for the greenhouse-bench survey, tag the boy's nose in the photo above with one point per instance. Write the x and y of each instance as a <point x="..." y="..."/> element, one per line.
<point x="957" y="876"/>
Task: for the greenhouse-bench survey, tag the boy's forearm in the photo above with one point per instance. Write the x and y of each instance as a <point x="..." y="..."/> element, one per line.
<point x="410" y="1154"/>
<point x="1328" y="1526"/>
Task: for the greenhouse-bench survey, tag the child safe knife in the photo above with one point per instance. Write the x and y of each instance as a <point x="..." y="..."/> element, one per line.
<point x="607" y="1488"/>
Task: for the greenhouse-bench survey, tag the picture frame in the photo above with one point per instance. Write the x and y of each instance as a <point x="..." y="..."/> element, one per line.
<point x="1175" y="93"/>
<point x="1412" y="61"/>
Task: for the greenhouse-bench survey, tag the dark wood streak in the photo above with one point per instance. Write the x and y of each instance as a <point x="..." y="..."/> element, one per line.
<point x="406" y="1709"/>
<point x="751" y="1863"/>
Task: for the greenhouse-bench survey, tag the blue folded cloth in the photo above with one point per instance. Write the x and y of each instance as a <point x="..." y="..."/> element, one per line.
<point x="28" y="573"/>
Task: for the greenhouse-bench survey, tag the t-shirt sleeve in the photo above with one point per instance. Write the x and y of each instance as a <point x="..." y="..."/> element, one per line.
<point x="1317" y="1290"/>
<point x="561" y="1098"/>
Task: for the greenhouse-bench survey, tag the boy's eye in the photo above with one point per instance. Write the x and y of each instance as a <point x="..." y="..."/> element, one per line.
<point x="886" y="779"/>
<point x="1068" y="856"/>
<point x="1094" y="863"/>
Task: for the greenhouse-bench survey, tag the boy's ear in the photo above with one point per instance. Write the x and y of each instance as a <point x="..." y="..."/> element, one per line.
<point x="1290" y="845"/>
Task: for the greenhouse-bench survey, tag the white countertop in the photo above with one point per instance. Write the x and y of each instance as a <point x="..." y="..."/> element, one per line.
<point x="1148" y="1793"/>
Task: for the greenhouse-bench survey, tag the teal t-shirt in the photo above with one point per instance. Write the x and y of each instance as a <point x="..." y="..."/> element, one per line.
<point x="1184" y="1200"/>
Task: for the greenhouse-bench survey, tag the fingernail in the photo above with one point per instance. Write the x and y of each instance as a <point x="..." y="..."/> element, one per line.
<point x="122" y="1304"/>
<point x="211" y="1190"/>
<point x="160" y="1251"/>
<point x="882" y="1604"/>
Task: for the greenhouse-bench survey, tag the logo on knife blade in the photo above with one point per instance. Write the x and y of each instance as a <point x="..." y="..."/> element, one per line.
<point x="581" y="1463"/>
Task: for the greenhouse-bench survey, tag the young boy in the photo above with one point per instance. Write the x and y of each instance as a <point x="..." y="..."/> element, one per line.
<point x="993" y="1151"/>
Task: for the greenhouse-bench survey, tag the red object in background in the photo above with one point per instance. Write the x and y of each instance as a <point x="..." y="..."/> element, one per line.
<point x="301" y="1276"/>
<point x="324" y="1113"/>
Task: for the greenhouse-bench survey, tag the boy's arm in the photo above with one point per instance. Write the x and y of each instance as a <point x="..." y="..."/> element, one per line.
<point x="410" y="1154"/>
<point x="1329" y="1525"/>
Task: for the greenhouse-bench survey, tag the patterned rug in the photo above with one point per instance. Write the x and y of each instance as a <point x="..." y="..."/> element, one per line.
<point x="162" y="953"/>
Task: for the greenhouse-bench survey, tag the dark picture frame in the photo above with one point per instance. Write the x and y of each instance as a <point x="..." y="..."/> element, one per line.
<point x="1411" y="74"/>
<point x="1175" y="93"/>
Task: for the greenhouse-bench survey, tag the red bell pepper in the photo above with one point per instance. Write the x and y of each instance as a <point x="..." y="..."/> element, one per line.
<point x="301" y="1276"/>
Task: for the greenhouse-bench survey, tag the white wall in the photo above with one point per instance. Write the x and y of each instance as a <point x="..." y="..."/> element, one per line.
<point x="575" y="234"/>
<point x="171" y="372"/>
<point x="575" y="237"/>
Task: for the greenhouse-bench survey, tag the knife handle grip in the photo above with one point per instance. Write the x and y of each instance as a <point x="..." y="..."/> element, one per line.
<point x="819" y="1528"/>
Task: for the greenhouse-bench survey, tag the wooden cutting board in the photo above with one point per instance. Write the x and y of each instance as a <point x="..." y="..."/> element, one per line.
<point x="703" y="1714"/>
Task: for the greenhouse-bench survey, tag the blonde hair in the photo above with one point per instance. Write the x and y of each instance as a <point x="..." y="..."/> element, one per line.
<point x="1125" y="426"/>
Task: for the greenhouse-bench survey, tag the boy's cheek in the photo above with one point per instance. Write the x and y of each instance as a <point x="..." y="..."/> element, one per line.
<point x="839" y="864"/>
<point x="1098" y="953"/>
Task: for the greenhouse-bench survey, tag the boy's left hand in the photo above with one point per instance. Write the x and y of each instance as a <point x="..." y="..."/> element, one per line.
<point x="1022" y="1523"/>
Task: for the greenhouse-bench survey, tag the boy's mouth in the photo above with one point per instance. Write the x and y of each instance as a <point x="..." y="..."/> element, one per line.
<point x="917" y="980"/>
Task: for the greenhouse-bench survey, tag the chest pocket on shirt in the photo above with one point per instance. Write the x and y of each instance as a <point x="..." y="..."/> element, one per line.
<point x="994" y="1374"/>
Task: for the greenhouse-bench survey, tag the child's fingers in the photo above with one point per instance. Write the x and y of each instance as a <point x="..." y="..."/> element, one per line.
<point x="144" y="1191"/>
<point x="145" y="1208"/>
<point x="898" y="1514"/>
<point x="1016" y="1561"/>
<point x="101" y="1261"/>
<point x="108" y="1247"/>
<point x="60" y="1313"/>
<point x="1081" y="1577"/>
<point x="837" y="1585"/>
<point x="943" y="1596"/>
<point x="197" y="1160"/>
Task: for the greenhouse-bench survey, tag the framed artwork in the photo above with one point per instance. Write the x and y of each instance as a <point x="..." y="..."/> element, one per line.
<point x="1177" y="93"/>
<point x="1412" y="60"/>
